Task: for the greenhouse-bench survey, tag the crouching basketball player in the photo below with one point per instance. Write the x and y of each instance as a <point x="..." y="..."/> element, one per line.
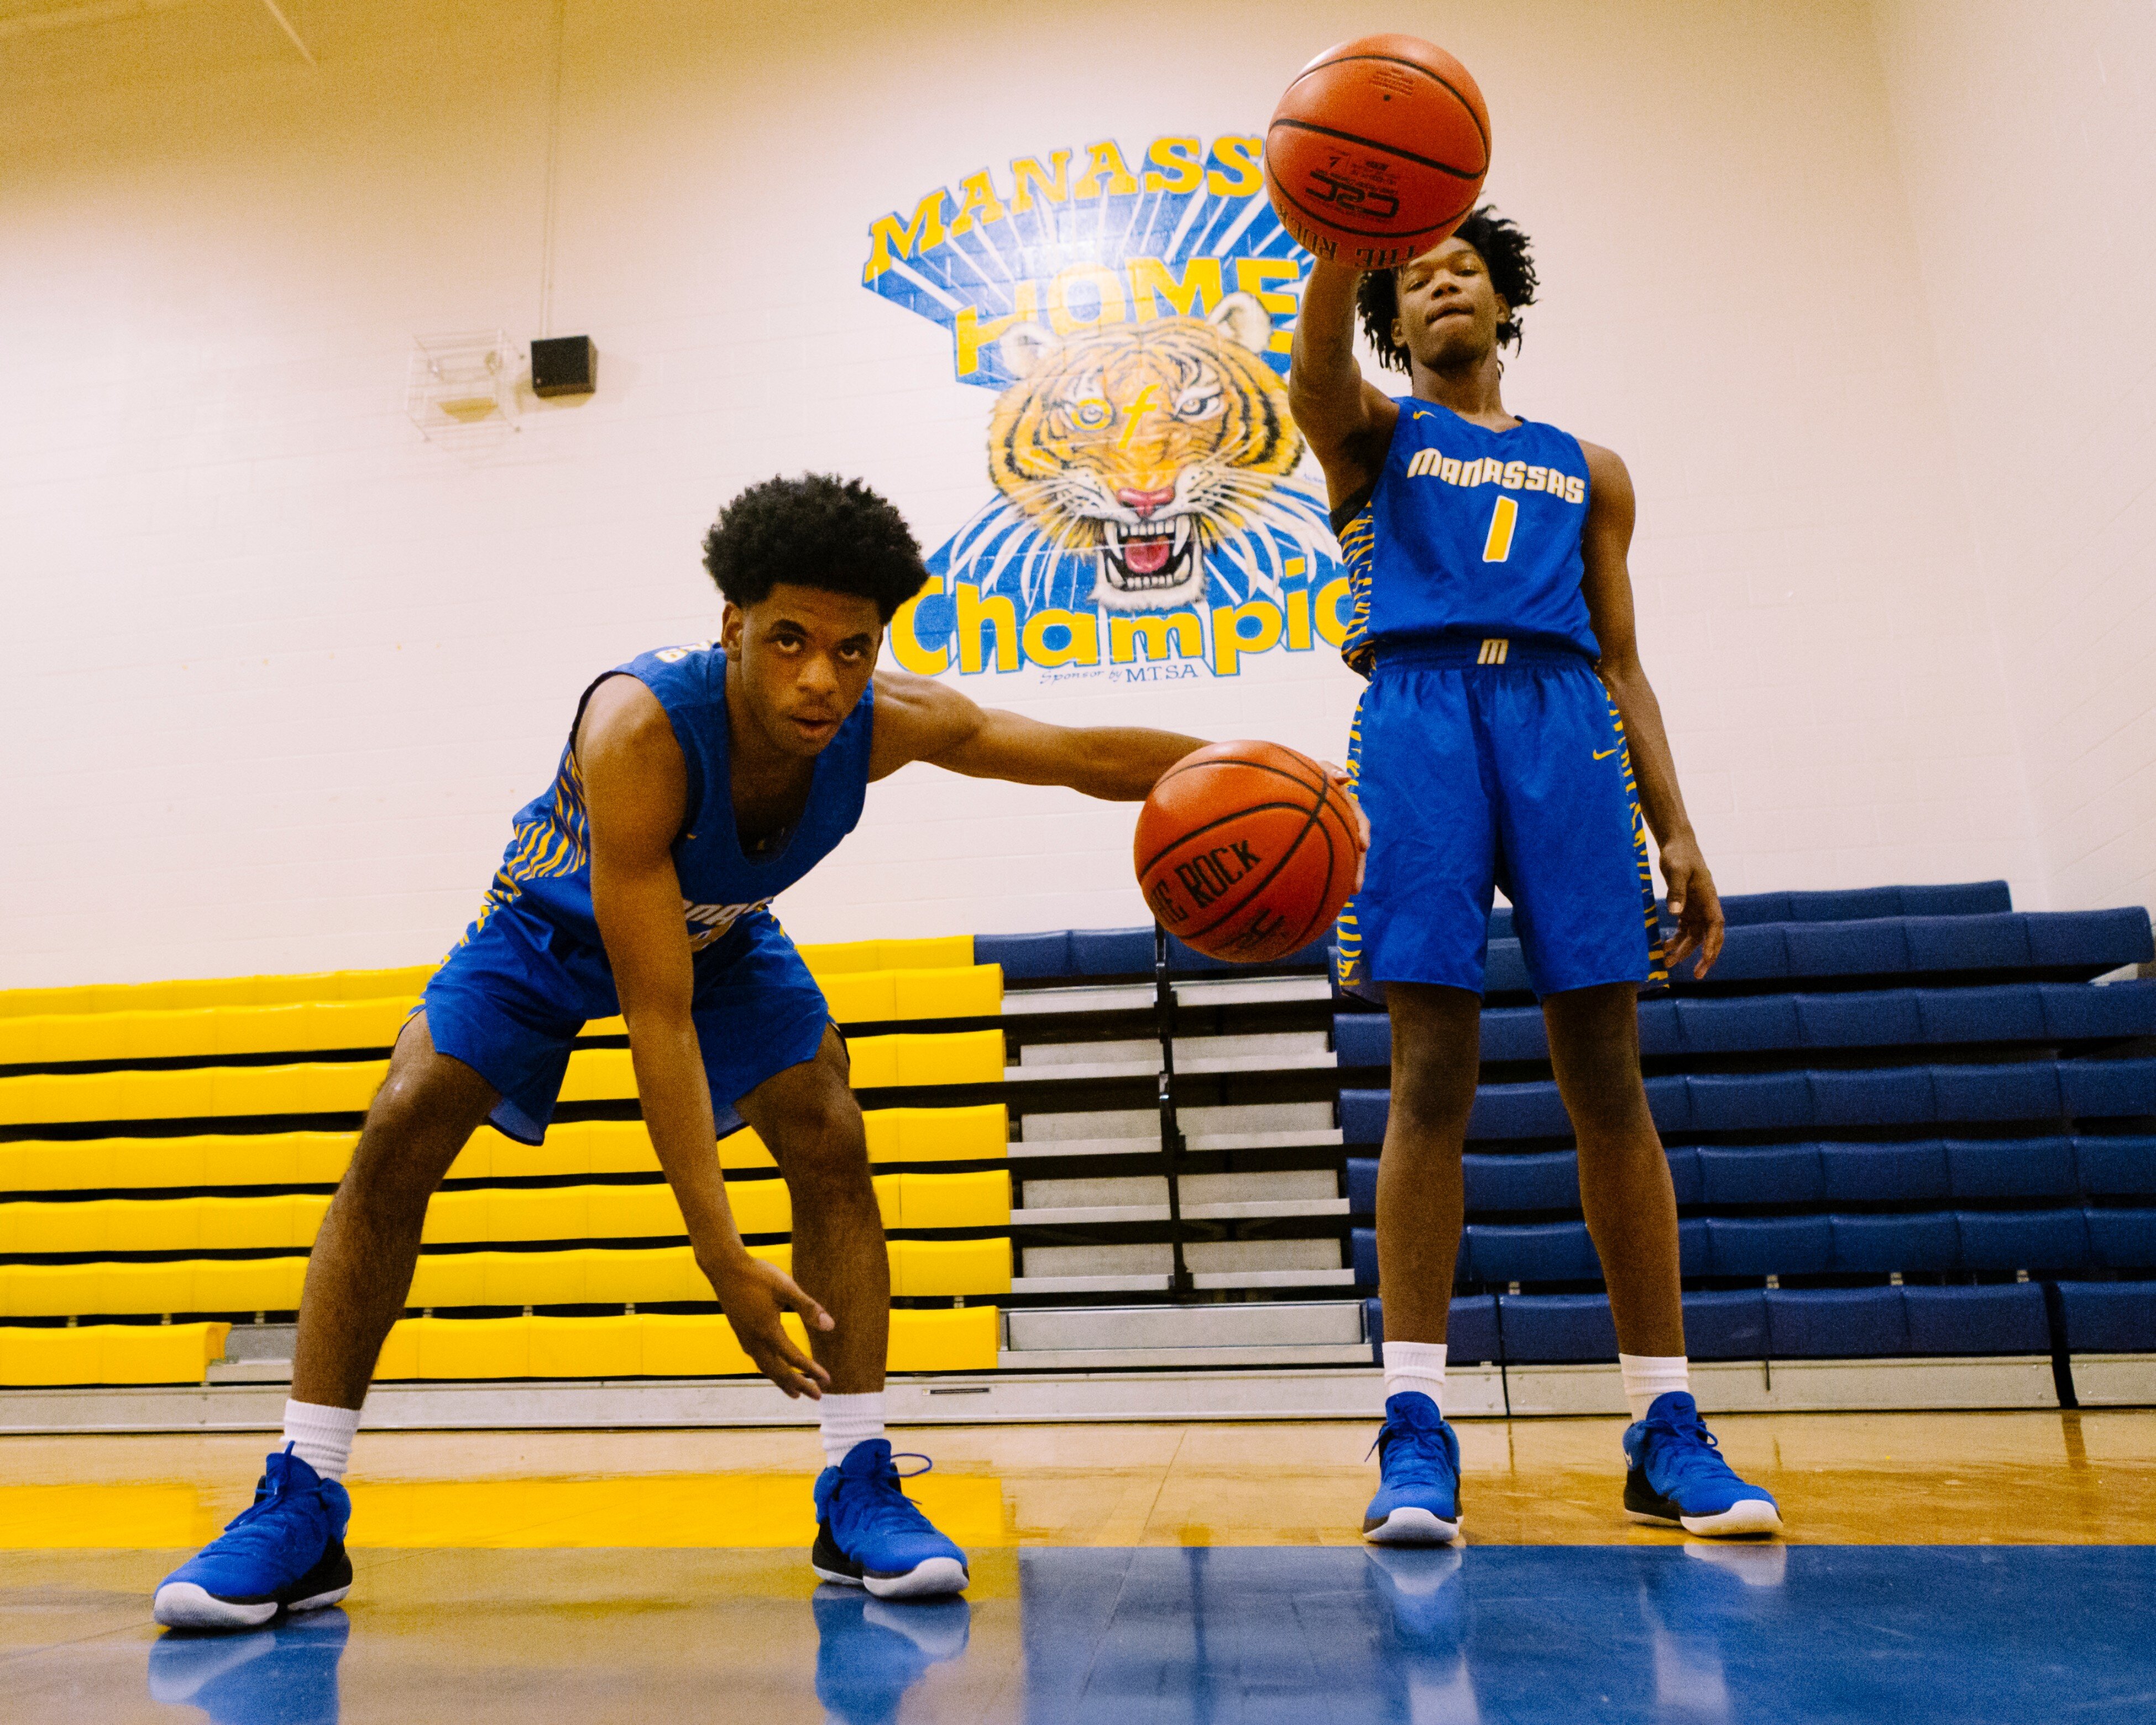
<point x="696" y="784"/>
<point x="1507" y="725"/>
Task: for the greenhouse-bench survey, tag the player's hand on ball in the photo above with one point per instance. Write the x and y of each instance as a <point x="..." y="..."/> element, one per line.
<point x="1345" y="784"/>
<point x="752" y="1294"/>
<point x="1694" y="903"/>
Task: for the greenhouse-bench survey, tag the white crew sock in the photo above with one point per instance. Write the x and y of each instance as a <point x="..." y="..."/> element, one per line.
<point x="849" y="1419"/>
<point x="1648" y="1375"/>
<point x="321" y="1437"/>
<point x="1416" y="1366"/>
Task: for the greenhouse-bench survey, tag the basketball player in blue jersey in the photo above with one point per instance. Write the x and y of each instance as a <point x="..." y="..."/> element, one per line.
<point x="1506" y="733"/>
<point x="696" y="784"/>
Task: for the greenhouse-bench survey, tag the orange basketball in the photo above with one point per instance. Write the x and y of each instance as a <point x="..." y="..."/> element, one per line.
<point x="1246" y="850"/>
<point x="1376" y="151"/>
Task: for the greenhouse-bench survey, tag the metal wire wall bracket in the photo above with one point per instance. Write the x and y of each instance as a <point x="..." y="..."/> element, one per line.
<point x="1180" y="1285"/>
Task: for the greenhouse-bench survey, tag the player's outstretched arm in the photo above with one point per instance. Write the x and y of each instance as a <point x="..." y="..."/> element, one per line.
<point x="920" y="719"/>
<point x="1605" y="544"/>
<point x="1348" y="420"/>
<point x="635" y="789"/>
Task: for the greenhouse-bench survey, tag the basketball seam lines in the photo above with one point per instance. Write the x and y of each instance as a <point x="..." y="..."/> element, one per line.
<point x="1349" y="137"/>
<point x="1439" y="79"/>
<point x="1324" y="792"/>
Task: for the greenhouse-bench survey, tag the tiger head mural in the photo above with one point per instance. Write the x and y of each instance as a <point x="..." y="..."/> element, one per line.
<point x="1147" y="446"/>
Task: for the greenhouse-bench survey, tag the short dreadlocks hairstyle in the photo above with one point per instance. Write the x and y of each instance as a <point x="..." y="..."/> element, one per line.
<point x="816" y="530"/>
<point x="1507" y="253"/>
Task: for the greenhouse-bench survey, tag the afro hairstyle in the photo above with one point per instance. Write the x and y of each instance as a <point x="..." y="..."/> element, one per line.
<point x="1506" y="252"/>
<point x="817" y="531"/>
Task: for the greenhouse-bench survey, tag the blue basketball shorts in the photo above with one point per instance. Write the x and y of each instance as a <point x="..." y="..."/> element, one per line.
<point x="1512" y="774"/>
<point x="509" y="1000"/>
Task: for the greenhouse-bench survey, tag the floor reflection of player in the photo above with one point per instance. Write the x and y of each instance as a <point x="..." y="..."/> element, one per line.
<point x="285" y="1676"/>
<point x="1694" y="1603"/>
<point x="1425" y="1606"/>
<point x="869" y="1654"/>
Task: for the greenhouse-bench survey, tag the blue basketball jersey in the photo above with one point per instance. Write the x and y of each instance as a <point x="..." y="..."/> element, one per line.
<point x="1468" y="532"/>
<point x="547" y="872"/>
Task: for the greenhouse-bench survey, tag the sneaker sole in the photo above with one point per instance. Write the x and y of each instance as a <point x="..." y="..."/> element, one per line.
<point x="1751" y="1517"/>
<point x="938" y="1576"/>
<point x="1413" y="1527"/>
<point x="185" y="1605"/>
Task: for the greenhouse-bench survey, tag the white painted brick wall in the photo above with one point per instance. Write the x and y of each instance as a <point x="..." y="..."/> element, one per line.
<point x="2024" y="137"/>
<point x="275" y="672"/>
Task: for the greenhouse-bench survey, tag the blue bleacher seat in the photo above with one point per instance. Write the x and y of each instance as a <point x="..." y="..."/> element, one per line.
<point x="1505" y="972"/>
<point x="1363" y="1115"/>
<point x="1362" y="1185"/>
<point x="2110" y="1317"/>
<point x="2078" y="1011"/>
<point x="1518" y="1111"/>
<point x="1470" y="1330"/>
<point x="2123" y="1240"/>
<point x="2007" y="1319"/>
<point x="1683" y="1172"/>
<point x="1768" y="1246"/>
<point x="1533" y="1251"/>
<point x="1116" y="952"/>
<point x="1514" y="1033"/>
<point x="1884" y="1173"/>
<point x="1864" y="1018"/>
<point x="1756" y="954"/>
<point x="1556" y="1328"/>
<point x="1999" y="943"/>
<point x="1548" y="1180"/>
<point x="1669" y="1103"/>
<point x="2019" y="1090"/>
<point x="1659" y="1030"/>
<point x="1750" y="1101"/>
<point x="1695" y="1256"/>
<point x="1363" y="1254"/>
<point x="2010" y="1168"/>
<point x="1186" y="961"/>
<point x="2095" y="941"/>
<point x="2009" y="1012"/>
<point x="1836" y="1323"/>
<point x="2022" y="1239"/>
<point x="1761" y="1174"/>
<point x="2117" y="1167"/>
<point x="1959" y="898"/>
<point x="1028" y="957"/>
<point x="1730" y="1324"/>
<point x="2101" y="1089"/>
<point x="1737" y="1025"/>
<point x="1876" y="948"/>
<point x="1363" y="1038"/>
<point x="1741" y="909"/>
<point x="1881" y="1095"/>
<point x="1879" y="1246"/>
<point x="1846" y="905"/>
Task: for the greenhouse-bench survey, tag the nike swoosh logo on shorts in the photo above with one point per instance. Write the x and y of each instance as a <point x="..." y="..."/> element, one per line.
<point x="1605" y="754"/>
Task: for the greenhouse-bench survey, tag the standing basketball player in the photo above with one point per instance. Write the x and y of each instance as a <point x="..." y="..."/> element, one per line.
<point x="697" y="783"/>
<point x="1507" y="725"/>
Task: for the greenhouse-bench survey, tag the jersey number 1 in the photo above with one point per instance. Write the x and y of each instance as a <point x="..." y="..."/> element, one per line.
<point x="1498" y="545"/>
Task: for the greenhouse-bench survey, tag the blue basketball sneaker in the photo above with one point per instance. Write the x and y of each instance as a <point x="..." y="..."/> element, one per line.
<point x="1418" y="1500"/>
<point x="1676" y="1477"/>
<point x="284" y="1552"/>
<point x="869" y="1532"/>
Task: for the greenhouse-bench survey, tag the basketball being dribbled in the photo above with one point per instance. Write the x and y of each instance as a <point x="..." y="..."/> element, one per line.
<point x="1247" y="851"/>
<point x="1378" y="150"/>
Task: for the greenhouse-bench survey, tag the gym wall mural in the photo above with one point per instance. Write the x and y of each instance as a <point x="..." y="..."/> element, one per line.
<point x="1153" y="514"/>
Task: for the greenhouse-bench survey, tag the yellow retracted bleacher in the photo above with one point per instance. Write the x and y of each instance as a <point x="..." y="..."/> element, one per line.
<point x="109" y="1353"/>
<point x="585" y="1275"/>
<point x="598" y="1147"/>
<point x="233" y="1235"/>
<point x="654" y="1345"/>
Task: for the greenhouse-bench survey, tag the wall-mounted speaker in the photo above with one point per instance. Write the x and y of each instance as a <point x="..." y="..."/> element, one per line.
<point x="564" y="365"/>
